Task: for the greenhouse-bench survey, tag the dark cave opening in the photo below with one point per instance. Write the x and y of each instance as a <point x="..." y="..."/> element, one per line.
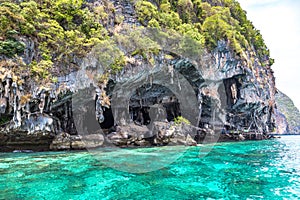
<point x="140" y="115"/>
<point x="108" y="119"/>
<point x="148" y="103"/>
<point x="146" y="115"/>
<point x="153" y="102"/>
<point x="232" y="91"/>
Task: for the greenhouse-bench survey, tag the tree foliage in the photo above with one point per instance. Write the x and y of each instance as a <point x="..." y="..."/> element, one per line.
<point x="207" y="21"/>
<point x="68" y="29"/>
<point x="64" y="29"/>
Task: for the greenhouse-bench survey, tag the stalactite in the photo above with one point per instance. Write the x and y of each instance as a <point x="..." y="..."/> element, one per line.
<point x="200" y="101"/>
<point x="1" y="89"/>
<point x="27" y="109"/>
<point x="250" y="126"/>
<point x="6" y="88"/>
<point x="47" y="102"/>
<point x="151" y="80"/>
<point x="256" y="123"/>
<point x="213" y="117"/>
<point x="42" y="102"/>
<point x="16" y="109"/>
<point x="3" y="105"/>
<point x="99" y="111"/>
<point x="52" y="96"/>
<point x="178" y="83"/>
<point x="233" y="92"/>
<point x="171" y="71"/>
<point x="65" y="115"/>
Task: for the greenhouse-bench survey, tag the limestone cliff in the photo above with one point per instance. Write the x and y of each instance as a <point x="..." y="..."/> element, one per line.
<point x="287" y="115"/>
<point x="148" y="64"/>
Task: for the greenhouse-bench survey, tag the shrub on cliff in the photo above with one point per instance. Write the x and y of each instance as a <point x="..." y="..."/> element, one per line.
<point x="66" y="30"/>
<point x="179" y="120"/>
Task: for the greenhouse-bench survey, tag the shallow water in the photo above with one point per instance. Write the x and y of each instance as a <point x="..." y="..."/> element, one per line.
<point x="244" y="170"/>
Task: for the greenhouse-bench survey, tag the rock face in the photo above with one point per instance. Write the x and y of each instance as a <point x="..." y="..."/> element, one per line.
<point x="20" y="140"/>
<point x="131" y="135"/>
<point x="64" y="141"/>
<point x="287" y="115"/>
<point x="214" y="90"/>
<point x="162" y="133"/>
<point x="282" y="125"/>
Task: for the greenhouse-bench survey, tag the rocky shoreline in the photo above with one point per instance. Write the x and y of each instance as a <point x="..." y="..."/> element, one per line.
<point x="129" y="136"/>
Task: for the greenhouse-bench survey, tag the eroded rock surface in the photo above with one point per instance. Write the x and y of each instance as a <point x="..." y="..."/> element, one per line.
<point x="214" y="90"/>
<point x="287" y="115"/>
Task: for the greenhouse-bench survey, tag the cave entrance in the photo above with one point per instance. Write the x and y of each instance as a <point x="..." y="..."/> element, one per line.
<point x="108" y="118"/>
<point x="232" y="92"/>
<point x="153" y="102"/>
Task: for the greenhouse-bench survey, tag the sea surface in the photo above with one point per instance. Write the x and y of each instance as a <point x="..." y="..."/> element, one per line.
<point x="242" y="170"/>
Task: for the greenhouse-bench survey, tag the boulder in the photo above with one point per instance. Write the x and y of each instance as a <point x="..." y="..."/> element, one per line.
<point x="89" y="141"/>
<point x="162" y="133"/>
<point x="129" y="135"/>
<point x="22" y="140"/>
<point x="171" y="134"/>
<point x="64" y="141"/>
<point x="61" y="141"/>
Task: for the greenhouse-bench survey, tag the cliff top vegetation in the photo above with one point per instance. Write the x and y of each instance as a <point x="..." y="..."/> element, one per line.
<point x="63" y="31"/>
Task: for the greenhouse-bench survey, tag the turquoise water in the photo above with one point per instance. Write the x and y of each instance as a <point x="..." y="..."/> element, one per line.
<point x="245" y="170"/>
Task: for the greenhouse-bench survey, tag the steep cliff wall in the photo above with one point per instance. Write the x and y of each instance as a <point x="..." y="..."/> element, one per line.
<point x="286" y="108"/>
<point x="140" y="62"/>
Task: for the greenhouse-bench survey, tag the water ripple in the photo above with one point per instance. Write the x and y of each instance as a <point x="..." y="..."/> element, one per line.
<point x="244" y="170"/>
